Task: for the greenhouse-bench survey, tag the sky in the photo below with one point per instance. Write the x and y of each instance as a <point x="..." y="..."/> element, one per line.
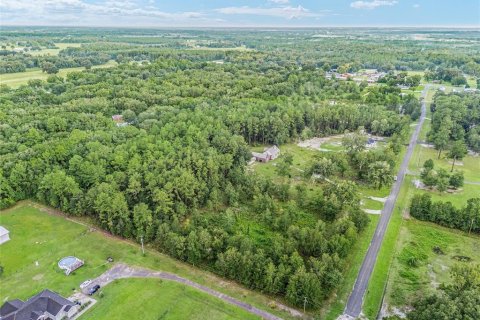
<point x="237" y="13"/>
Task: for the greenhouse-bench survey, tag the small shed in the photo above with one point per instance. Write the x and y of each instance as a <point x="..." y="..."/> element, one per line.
<point x="4" y="235"/>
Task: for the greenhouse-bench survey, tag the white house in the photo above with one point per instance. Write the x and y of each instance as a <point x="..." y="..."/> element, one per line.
<point x="4" y="235"/>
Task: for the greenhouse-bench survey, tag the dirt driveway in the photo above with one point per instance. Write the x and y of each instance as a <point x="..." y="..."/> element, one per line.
<point x="121" y="271"/>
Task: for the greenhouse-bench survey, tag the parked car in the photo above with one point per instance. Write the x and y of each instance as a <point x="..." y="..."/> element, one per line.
<point x="85" y="283"/>
<point x="93" y="289"/>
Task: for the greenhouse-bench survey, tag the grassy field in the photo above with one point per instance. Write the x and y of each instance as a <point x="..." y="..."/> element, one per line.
<point x="39" y="240"/>
<point x="152" y="299"/>
<point x="17" y="79"/>
<point x="418" y="239"/>
<point x="54" y="52"/>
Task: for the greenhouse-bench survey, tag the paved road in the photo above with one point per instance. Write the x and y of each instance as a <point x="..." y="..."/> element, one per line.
<point x="355" y="301"/>
<point x="121" y="271"/>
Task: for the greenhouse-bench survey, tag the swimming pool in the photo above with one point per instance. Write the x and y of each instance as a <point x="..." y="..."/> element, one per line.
<point x="69" y="264"/>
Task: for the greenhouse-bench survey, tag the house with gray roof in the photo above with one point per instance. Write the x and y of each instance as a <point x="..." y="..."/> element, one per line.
<point x="46" y="305"/>
<point x="268" y="154"/>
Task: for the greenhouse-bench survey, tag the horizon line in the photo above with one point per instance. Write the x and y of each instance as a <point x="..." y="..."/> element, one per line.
<point x="475" y="27"/>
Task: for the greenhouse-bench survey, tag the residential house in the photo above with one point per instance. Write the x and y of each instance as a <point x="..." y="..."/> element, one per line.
<point x="268" y="154"/>
<point x="47" y="305"/>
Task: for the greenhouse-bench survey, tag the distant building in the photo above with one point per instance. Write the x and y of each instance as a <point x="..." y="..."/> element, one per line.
<point x="268" y="154"/>
<point x="442" y="88"/>
<point x="4" y="235"/>
<point x="44" y="306"/>
<point x="117" y="118"/>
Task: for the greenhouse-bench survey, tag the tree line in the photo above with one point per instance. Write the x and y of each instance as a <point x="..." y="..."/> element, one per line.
<point x="444" y="213"/>
<point x="455" y="123"/>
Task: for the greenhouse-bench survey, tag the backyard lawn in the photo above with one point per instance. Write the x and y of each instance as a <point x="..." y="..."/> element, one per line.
<point x="40" y="239"/>
<point x="152" y="299"/>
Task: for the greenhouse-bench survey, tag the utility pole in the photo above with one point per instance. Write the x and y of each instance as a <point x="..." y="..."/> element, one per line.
<point x="143" y="251"/>
<point x="304" y="303"/>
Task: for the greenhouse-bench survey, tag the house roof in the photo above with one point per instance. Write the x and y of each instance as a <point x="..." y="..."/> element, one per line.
<point x="10" y="306"/>
<point x="45" y="301"/>
<point x="3" y="231"/>
<point x="259" y="155"/>
<point x="274" y="151"/>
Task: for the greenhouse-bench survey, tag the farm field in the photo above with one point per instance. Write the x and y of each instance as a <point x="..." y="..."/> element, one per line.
<point x="17" y="79"/>
<point x="39" y="240"/>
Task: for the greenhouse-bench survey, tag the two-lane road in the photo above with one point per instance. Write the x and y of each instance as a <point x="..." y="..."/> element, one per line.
<point x="355" y="301"/>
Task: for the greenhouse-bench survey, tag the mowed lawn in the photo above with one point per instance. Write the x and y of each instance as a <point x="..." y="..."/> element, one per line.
<point x="39" y="239"/>
<point x="17" y="79"/>
<point x="158" y="299"/>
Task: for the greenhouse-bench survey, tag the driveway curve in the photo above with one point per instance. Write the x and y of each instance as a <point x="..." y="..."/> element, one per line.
<point x="122" y="271"/>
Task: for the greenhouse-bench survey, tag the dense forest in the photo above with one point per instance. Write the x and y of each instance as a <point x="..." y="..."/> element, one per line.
<point x="455" y="123"/>
<point x="174" y="172"/>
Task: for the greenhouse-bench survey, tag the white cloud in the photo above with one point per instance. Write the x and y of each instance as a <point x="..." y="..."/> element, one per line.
<point x="372" y="4"/>
<point x="287" y="12"/>
<point x="279" y="1"/>
<point x="59" y="9"/>
<point x="416" y="6"/>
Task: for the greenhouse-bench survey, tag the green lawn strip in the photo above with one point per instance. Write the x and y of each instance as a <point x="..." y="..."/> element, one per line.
<point x="159" y="299"/>
<point x="376" y="285"/>
<point x="44" y="238"/>
<point x="354" y="261"/>
<point x="17" y="79"/>
<point x="372" y="204"/>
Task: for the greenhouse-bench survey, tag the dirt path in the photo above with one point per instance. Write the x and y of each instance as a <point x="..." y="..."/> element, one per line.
<point x="122" y="271"/>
